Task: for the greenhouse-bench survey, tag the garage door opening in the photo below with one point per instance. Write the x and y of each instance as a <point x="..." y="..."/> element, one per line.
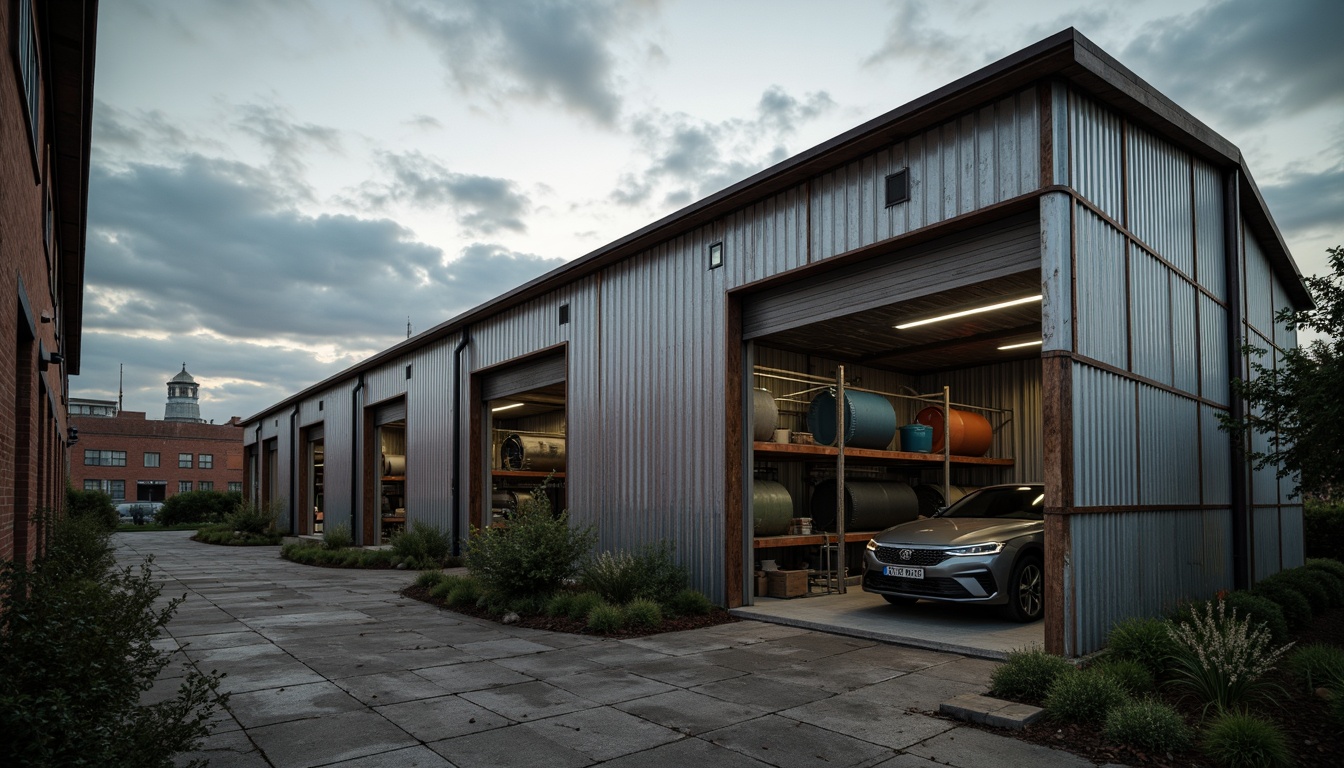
<point x="975" y="348"/>
<point x="524" y="424"/>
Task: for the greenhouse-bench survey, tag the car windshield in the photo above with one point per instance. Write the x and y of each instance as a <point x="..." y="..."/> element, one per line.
<point x="1016" y="503"/>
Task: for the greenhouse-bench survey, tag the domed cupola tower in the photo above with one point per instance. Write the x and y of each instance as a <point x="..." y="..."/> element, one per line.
<point x="183" y="402"/>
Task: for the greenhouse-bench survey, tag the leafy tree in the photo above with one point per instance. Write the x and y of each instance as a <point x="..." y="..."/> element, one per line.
<point x="1298" y="405"/>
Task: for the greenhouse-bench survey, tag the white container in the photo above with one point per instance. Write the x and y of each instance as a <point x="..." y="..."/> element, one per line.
<point x="781" y="435"/>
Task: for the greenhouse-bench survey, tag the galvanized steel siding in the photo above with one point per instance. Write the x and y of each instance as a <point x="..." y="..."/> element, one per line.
<point x="1151" y="317"/>
<point x="1160" y="205"/>
<point x="976" y="160"/>
<point x="1211" y="263"/>
<point x="429" y="436"/>
<point x="1185" y="335"/>
<point x="1259" y="291"/>
<point x="1102" y="320"/>
<point x="1105" y="446"/>
<point x="1168" y="448"/>
<point x="1215" y="455"/>
<point x="767" y="238"/>
<point x="1096" y="169"/>
<point x="1213" y="370"/>
<point x="1014" y="386"/>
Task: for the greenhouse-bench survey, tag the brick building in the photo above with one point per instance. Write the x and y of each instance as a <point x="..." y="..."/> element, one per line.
<point x="132" y="458"/>
<point x="46" y="108"/>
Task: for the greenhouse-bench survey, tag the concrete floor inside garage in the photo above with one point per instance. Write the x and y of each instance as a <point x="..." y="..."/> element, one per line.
<point x="965" y="629"/>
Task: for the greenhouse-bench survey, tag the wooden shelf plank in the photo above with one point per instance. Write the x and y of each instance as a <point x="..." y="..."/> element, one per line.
<point x="807" y="540"/>
<point x="796" y="452"/>
<point x="526" y="473"/>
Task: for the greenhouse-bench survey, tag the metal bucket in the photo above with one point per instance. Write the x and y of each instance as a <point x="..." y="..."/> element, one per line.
<point x="931" y="497"/>
<point x="772" y="508"/>
<point x="870" y="421"/>
<point x="764" y="415"/>
<point x="971" y="433"/>
<point x="537" y="453"/>
<point x="869" y="505"/>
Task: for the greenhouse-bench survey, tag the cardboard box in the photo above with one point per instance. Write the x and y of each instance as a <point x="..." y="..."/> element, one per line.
<point x="786" y="583"/>
<point x="761" y="584"/>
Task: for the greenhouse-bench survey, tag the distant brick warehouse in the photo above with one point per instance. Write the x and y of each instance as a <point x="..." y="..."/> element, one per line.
<point x="137" y="459"/>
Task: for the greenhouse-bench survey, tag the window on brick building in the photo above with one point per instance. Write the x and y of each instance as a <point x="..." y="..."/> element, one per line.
<point x="184" y="461"/>
<point x="96" y="458"/>
<point x="236" y="487"/>
<point x="206" y="461"/>
<point x="206" y="485"/>
<point x="114" y="488"/>
<point x="183" y="486"/>
<point x="152" y="459"/>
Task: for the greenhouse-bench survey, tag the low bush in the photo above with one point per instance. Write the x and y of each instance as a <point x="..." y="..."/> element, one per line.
<point x="689" y="602"/>
<point x="1242" y="740"/>
<point x="198" y="507"/>
<point x="423" y="546"/>
<point x="95" y="505"/>
<point x="559" y="603"/>
<point x="1301" y="579"/>
<point x="1295" y="608"/>
<point x="442" y="586"/>
<point x="1148" y="724"/>
<point x="1143" y="640"/>
<point x="308" y="554"/>
<point x="466" y="591"/>
<point x="227" y="535"/>
<point x="337" y="536"/>
<point x="1326" y="564"/>
<point x="76" y="654"/>
<point x="648" y="572"/>
<point x="606" y="618"/>
<point x="1260" y="610"/>
<point x="532" y="554"/>
<point x="1027" y="675"/>
<point x="1083" y="697"/>
<point x="1317" y="665"/>
<point x="1332" y="584"/>
<point x="1323" y="530"/>
<point x="250" y="518"/>
<point x="643" y="613"/>
<point x="1130" y="674"/>
<point x="430" y="579"/>
<point x="583" y="604"/>
<point x="1223" y="657"/>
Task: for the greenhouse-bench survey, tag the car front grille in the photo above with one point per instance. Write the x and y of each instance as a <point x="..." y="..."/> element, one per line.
<point x="937" y="587"/>
<point x="892" y="556"/>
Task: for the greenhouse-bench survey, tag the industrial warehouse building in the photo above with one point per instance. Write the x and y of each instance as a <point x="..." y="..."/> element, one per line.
<point x="1123" y="235"/>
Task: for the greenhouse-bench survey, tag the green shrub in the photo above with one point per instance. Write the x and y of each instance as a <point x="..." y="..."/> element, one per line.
<point x="1083" y="697"/>
<point x="1296" y="610"/>
<point x="1317" y="664"/>
<point x="95" y="505"/>
<point x="648" y="572"/>
<point x="1027" y="675"/>
<point x="337" y="536"/>
<point x="198" y="507"/>
<point x="76" y="654"/>
<point x="689" y="602"/>
<point x="643" y="613"/>
<point x="1302" y="581"/>
<point x="534" y="553"/>
<point x="443" y="586"/>
<point x="429" y="579"/>
<point x="582" y="604"/>
<point x="559" y="604"/>
<point x="1326" y="564"/>
<point x="1332" y="584"/>
<point x="606" y="618"/>
<point x="1260" y="610"/>
<point x="1242" y="740"/>
<point x="1130" y="674"/>
<point x="1143" y="640"/>
<point x="423" y="544"/>
<point x="1148" y="724"/>
<point x="466" y="592"/>
<point x="1323" y="530"/>
<point x="1222" y="657"/>
<point x="249" y="518"/>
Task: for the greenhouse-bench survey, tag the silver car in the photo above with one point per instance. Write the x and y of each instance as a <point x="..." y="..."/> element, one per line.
<point x="988" y="548"/>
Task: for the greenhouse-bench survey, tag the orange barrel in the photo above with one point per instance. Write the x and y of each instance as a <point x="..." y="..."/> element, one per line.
<point x="971" y="433"/>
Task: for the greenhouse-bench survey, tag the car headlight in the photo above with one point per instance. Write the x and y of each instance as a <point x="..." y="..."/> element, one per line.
<point x="988" y="548"/>
<point x="872" y="545"/>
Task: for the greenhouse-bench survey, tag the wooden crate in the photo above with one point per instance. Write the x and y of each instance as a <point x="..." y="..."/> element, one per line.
<point x="786" y="583"/>
<point x="762" y="584"/>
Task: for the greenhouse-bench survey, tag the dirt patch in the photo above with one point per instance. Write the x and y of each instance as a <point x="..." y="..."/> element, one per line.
<point x="573" y="627"/>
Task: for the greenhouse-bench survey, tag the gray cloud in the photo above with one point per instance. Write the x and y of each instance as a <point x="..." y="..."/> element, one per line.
<point x="689" y="158"/>
<point x="1306" y="202"/>
<point x="911" y="38"/>
<point x="121" y="131"/>
<point x="481" y="204"/>
<point x="540" y="50"/>
<point x="285" y="140"/>
<point x="1247" y="62"/>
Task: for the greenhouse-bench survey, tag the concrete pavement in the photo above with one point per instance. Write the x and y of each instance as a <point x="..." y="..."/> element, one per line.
<point x="333" y="667"/>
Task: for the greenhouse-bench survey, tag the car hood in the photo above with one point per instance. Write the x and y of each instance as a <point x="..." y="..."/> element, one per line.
<point x="958" y="531"/>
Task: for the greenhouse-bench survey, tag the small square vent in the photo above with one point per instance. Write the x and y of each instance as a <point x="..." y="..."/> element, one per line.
<point x="898" y="187"/>
<point x="564" y="314"/>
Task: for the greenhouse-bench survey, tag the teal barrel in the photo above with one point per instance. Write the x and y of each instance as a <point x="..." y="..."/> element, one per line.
<point x="870" y="421"/>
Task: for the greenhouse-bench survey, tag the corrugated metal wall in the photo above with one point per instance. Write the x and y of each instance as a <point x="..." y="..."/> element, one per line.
<point x="1102" y="321"/>
<point x="981" y="158"/>
<point x="1014" y="386"/>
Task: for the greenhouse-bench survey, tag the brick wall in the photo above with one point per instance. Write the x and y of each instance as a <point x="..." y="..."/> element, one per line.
<point x="131" y="432"/>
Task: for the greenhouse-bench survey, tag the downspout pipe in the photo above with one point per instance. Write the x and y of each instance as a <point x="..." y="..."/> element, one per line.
<point x="457" y="438"/>
<point x="293" y="469"/>
<point x="1241" y="538"/>
<point x="354" y="452"/>
<point x="255" y="491"/>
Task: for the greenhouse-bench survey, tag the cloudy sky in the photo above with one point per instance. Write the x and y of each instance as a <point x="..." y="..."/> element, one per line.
<point x="277" y="186"/>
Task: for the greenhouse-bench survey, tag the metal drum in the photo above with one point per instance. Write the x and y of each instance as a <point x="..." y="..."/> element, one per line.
<point x="931" y="497"/>
<point x="971" y="433"/>
<point x="764" y="415"/>
<point x="869" y="505"/>
<point x="540" y="453"/>
<point x="870" y="421"/>
<point x="772" y="508"/>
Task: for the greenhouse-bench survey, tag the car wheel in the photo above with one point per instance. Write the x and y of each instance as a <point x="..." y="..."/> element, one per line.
<point x="900" y="602"/>
<point x="1026" y="590"/>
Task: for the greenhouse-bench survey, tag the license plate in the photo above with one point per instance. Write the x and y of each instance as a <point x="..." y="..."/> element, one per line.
<point x="903" y="572"/>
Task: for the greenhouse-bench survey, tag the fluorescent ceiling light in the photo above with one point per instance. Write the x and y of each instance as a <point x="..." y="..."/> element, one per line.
<point x="507" y="407"/>
<point x="965" y="312"/>
<point x="1019" y="345"/>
